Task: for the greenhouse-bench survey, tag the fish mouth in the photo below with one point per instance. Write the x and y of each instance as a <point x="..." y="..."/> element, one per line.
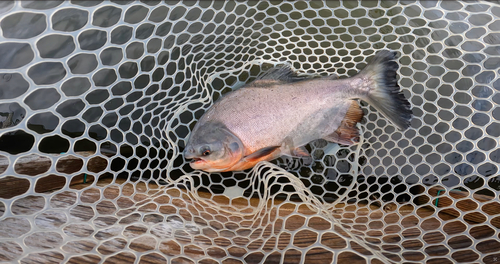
<point x="191" y="158"/>
<point x="195" y="160"/>
<point x="198" y="163"/>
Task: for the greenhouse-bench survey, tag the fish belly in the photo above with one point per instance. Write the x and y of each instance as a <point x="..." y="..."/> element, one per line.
<point x="317" y="125"/>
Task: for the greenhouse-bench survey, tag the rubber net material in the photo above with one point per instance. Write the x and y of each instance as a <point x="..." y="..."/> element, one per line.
<point x="97" y="100"/>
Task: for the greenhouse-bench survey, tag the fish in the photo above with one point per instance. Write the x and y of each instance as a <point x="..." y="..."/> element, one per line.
<point x="281" y="111"/>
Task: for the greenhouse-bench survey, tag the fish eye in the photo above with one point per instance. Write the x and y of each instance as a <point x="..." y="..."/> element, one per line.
<point x="205" y="151"/>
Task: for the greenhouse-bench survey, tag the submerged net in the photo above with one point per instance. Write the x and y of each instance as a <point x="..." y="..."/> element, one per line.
<point x="97" y="100"/>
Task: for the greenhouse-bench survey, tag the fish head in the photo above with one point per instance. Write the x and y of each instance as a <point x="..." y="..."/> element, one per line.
<point x="213" y="148"/>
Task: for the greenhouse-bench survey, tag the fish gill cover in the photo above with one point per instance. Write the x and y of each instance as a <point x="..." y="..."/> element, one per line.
<point x="97" y="100"/>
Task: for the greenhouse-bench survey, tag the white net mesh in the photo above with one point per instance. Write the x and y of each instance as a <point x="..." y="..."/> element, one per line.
<point x="97" y="99"/>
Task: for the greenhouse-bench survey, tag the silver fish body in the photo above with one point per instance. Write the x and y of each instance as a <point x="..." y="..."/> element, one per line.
<point x="279" y="113"/>
<point x="295" y="112"/>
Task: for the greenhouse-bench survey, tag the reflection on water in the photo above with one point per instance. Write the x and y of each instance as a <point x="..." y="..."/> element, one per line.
<point x="11" y="114"/>
<point x="43" y="122"/>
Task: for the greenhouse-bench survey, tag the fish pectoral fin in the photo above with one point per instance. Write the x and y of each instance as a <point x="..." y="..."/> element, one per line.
<point x="261" y="153"/>
<point x="347" y="133"/>
<point x="300" y="152"/>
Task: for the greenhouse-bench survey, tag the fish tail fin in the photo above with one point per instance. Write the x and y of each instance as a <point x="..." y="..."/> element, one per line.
<point x="385" y="94"/>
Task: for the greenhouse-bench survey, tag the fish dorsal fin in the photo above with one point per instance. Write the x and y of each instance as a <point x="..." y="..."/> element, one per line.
<point x="278" y="75"/>
<point x="347" y="133"/>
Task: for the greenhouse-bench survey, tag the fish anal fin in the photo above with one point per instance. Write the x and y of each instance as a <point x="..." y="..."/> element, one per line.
<point x="261" y="154"/>
<point x="347" y="133"/>
<point x="353" y="115"/>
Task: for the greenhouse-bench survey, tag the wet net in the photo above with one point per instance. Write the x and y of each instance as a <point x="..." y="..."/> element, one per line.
<point x="98" y="98"/>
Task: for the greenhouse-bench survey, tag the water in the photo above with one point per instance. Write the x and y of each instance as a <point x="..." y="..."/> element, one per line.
<point x="88" y="76"/>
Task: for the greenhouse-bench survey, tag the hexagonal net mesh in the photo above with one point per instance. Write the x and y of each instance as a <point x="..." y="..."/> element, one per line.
<point x="97" y="100"/>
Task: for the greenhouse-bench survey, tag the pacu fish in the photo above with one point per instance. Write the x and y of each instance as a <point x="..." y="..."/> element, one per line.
<point x="280" y="112"/>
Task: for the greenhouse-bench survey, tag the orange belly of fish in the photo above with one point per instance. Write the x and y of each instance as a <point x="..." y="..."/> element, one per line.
<point x="247" y="164"/>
